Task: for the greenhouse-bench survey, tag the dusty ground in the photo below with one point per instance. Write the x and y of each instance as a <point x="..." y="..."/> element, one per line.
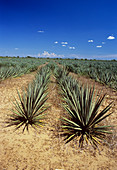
<point x="45" y="150"/>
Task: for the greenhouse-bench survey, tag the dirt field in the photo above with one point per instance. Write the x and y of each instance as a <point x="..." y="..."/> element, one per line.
<point x="45" y="150"/>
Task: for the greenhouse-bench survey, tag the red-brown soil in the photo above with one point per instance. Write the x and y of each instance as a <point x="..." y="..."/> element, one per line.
<point x="45" y="150"/>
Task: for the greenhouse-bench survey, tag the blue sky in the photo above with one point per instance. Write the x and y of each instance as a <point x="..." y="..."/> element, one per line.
<point x="57" y="28"/>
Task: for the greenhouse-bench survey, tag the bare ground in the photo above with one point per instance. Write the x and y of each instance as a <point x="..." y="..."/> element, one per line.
<point x="45" y="150"/>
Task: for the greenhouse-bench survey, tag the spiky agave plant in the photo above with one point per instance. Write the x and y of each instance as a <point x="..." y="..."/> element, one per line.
<point x="29" y="110"/>
<point x="60" y="73"/>
<point x="84" y="118"/>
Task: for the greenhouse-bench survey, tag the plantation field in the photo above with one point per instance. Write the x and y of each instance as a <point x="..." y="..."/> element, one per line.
<point x="101" y="71"/>
<point x="15" y="67"/>
<point x="46" y="149"/>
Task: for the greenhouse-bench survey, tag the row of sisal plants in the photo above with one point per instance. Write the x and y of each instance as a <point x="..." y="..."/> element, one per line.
<point x="104" y="72"/>
<point x="15" y="67"/>
<point x="82" y="119"/>
<point x="6" y="72"/>
<point x="30" y="109"/>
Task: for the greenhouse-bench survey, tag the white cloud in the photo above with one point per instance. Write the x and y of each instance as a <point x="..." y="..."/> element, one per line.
<point x="40" y="31"/>
<point x="72" y="48"/>
<point x="16" y="48"/>
<point x="46" y="54"/>
<point x="111" y="37"/>
<point x="99" y="46"/>
<point x="56" y="42"/>
<point x="103" y="43"/>
<point x="64" y="43"/>
<point x="90" y="40"/>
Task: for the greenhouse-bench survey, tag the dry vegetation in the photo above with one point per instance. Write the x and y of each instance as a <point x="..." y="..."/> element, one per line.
<point x="45" y="150"/>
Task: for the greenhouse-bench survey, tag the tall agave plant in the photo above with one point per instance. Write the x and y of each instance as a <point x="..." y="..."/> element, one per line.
<point x="29" y="110"/>
<point x="84" y="118"/>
